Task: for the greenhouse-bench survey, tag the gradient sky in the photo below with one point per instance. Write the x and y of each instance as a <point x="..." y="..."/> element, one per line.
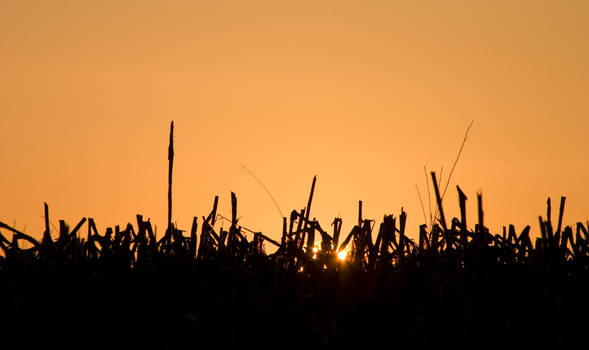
<point x="361" y="93"/>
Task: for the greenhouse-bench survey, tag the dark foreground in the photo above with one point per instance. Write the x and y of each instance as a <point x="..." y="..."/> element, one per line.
<point x="454" y="288"/>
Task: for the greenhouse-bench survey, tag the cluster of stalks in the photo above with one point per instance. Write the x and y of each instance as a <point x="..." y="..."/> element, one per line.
<point x="452" y="287"/>
<point x="304" y="243"/>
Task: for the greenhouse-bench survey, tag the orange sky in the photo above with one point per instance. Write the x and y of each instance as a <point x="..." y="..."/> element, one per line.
<point x="363" y="94"/>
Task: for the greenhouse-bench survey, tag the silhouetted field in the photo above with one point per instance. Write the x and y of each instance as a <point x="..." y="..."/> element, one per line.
<point x="453" y="287"/>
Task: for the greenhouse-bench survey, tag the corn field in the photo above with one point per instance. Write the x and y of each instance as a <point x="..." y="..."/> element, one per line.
<point x="450" y="287"/>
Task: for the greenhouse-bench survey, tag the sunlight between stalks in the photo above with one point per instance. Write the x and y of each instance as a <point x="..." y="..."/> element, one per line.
<point x="341" y="255"/>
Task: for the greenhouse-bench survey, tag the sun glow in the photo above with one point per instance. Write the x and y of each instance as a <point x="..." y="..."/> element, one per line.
<point x="316" y="249"/>
<point x="342" y="255"/>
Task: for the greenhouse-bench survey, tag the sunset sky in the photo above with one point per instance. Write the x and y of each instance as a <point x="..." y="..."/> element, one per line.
<point x="362" y="94"/>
